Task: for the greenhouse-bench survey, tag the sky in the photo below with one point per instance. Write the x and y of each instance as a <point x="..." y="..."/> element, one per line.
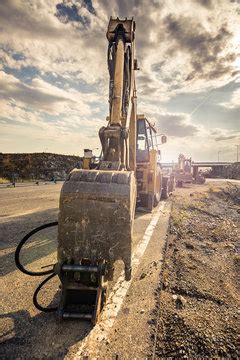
<point x="54" y="77"/>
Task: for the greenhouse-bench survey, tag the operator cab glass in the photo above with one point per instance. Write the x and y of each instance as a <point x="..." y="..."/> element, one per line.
<point x="142" y="142"/>
<point x="146" y="140"/>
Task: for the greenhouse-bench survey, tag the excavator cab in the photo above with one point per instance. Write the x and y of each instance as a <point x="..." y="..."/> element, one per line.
<point x="151" y="184"/>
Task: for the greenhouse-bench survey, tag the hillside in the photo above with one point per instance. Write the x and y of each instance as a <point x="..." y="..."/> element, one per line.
<point x="36" y="165"/>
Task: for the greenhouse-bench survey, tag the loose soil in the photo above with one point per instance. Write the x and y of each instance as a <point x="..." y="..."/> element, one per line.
<point x="199" y="291"/>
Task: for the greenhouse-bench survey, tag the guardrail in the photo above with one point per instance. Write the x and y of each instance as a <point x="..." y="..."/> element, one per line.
<point x="27" y="184"/>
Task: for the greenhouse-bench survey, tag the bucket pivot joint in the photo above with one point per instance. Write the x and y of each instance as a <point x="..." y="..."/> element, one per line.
<point x="83" y="290"/>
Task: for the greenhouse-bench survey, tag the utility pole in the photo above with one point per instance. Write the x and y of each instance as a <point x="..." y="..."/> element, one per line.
<point x="218" y="154"/>
<point x="237" y="146"/>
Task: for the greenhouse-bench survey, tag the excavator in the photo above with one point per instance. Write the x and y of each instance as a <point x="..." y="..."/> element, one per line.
<point x="183" y="172"/>
<point x="97" y="205"/>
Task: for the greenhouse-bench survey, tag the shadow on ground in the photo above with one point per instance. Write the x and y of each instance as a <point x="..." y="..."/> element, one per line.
<point x="12" y="230"/>
<point x="40" y="337"/>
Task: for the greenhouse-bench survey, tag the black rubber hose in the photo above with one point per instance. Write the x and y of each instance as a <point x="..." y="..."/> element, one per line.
<point x="35" y="302"/>
<point x="20" y="245"/>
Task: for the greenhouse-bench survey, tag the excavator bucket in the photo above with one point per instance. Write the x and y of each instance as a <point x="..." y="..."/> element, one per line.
<point x="95" y="227"/>
<point x="95" y="219"/>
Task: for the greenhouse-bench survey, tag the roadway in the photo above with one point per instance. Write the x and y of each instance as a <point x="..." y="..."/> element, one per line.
<point x="127" y="316"/>
<point x="25" y="330"/>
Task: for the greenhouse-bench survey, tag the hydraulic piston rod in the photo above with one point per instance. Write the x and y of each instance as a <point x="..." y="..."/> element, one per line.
<point x="116" y="112"/>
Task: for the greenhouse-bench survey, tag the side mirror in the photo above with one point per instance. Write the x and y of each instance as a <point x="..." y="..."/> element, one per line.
<point x="163" y="139"/>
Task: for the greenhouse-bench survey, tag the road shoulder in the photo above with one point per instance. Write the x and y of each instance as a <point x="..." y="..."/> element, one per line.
<point x="131" y="334"/>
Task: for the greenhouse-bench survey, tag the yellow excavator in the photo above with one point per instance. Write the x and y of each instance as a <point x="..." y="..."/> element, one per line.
<point x="97" y="205"/>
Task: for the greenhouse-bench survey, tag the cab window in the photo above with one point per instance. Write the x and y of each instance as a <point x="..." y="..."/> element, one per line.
<point x="142" y="142"/>
<point x="141" y="135"/>
<point x="149" y="137"/>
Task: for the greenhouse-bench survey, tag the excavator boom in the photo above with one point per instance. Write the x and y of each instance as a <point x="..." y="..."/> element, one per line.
<point x="97" y="206"/>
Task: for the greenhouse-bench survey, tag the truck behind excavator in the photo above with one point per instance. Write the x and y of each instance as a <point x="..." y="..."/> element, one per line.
<point x="97" y="203"/>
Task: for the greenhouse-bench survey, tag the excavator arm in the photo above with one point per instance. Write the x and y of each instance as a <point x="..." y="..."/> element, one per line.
<point x="120" y="135"/>
<point x="97" y="203"/>
<point x="97" y="206"/>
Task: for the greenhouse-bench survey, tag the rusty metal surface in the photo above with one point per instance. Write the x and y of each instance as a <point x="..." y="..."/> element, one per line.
<point x="128" y="28"/>
<point x="96" y="215"/>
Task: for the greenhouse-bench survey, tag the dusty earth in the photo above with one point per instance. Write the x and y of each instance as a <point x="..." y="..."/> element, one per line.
<point x="199" y="297"/>
<point x="184" y="307"/>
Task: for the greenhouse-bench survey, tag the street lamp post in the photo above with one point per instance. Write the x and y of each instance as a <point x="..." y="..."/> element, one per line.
<point x="218" y="154"/>
<point x="237" y="146"/>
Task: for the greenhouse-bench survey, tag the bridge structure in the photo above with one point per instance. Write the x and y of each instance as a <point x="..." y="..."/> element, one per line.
<point x="209" y="163"/>
<point x="217" y="166"/>
<point x="199" y="164"/>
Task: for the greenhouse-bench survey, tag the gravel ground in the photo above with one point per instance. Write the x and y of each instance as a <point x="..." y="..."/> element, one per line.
<point x="198" y="300"/>
<point x="199" y="297"/>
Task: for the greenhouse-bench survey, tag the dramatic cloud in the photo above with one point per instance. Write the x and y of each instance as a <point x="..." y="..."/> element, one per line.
<point x="204" y="48"/>
<point x="42" y="96"/>
<point x="177" y="125"/>
<point x="54" y="77"/>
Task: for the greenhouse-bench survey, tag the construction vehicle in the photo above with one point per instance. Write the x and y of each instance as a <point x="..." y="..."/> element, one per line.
<point x="183" y="172"/>
<point x="152" y="184"/>
<point x="88" y="161"/>
<point x="97" y="205"/>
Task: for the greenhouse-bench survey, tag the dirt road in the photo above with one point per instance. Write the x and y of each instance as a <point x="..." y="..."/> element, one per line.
<point x="199" y="300"/>
<point x="176" y="303"/>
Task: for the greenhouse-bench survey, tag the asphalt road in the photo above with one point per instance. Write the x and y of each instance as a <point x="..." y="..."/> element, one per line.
<point x="27" y="332"/>
<point x="24" y="330"/>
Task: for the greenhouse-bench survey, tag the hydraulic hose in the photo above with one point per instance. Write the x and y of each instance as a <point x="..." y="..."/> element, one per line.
<point x="35" y="273"/>
<point x="20" y="245"/>
<point x="35" y="301"/>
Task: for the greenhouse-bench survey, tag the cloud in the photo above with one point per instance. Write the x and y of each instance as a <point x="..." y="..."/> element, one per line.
<point x="44" y="97"/>
<point x="205" y="3"/>
<point x="234" y="102"/>
<point x="49" y="45"/>
<point x="65" y="45"/>
<point x="71" y="12"/>
<point x="221" y="138"/>
<point x="54" y="71"/>
<point x="226" y="135"/>
<point x="204" y="47"/>
<point x="176" y="125"/>
<point x="220" y="134"/>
